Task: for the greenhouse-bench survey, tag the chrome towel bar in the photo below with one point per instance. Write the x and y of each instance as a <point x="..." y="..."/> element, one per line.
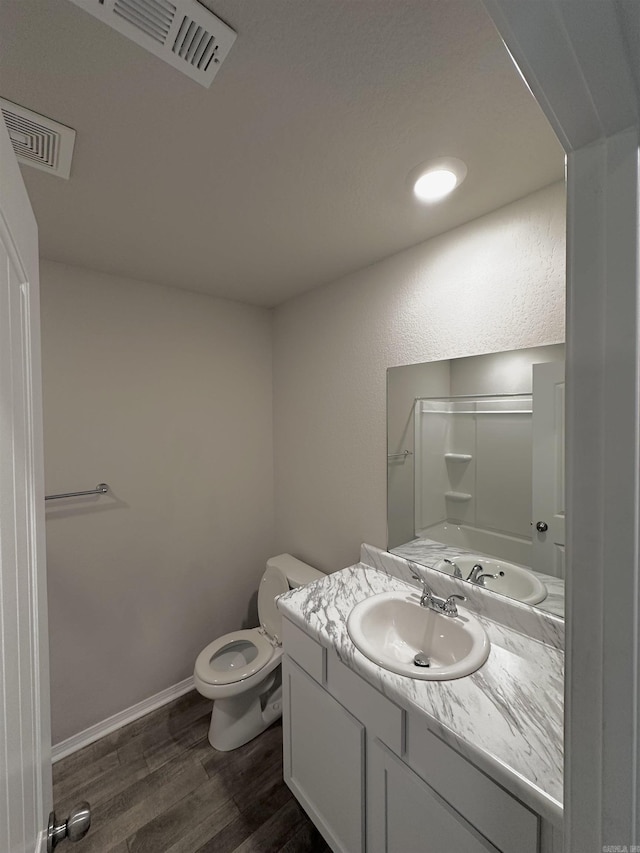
<point x="402" y="455"/>
<point x="100" y="489"/>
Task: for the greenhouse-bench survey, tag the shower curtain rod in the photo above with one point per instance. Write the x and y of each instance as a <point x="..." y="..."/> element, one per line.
<point x="100" y="489"/>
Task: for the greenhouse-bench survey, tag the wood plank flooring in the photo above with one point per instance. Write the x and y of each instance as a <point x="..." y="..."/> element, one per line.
<point x="157" y="786"/>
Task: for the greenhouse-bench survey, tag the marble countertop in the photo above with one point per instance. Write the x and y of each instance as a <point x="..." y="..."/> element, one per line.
<point x="507" y="718"/>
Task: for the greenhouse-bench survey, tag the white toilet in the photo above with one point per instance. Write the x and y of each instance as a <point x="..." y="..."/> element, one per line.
<point x="241" y="671"/>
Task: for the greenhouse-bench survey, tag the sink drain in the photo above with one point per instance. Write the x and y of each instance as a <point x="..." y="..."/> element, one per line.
<point x="421" y="660"/>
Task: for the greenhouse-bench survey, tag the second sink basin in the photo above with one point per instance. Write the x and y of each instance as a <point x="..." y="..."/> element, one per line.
<point x="391" y="629"/>
<point x="513" y="581"/>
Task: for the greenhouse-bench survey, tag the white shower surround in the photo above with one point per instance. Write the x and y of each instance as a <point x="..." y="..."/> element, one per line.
<point x="484" y="502"/>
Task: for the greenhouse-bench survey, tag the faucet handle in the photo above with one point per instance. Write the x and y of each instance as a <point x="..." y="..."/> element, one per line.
<point x="450" y="605"/>
<point x="480" y="579"/>
<point x="475" y="571"/>
<point x="455" y="568"/>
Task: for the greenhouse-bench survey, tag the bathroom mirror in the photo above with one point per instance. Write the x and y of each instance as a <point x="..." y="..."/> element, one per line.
<point x="475" y="470"/>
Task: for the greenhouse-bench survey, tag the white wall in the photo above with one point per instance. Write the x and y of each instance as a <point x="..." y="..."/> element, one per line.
<point x="165" y="395"/>
<point x="496" y="283"/>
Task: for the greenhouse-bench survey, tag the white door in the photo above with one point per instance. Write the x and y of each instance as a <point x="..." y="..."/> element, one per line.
<point x="25" y="738"/>
<point x="548" y="522"/>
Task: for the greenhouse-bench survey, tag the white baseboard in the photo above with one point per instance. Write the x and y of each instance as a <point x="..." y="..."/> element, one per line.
<point x="122" y="718"/>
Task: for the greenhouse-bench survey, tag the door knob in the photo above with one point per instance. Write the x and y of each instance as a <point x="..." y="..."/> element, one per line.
<point x="74" y="827"/>
<point x="542" y="527"/>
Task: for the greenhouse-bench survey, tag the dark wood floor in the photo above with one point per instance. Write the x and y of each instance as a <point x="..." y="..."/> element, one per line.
<point x="157" y="786"/>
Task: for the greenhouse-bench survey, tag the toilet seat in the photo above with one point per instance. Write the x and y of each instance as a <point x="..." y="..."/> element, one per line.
<point x="237" y="662"/>
<point x="231" y="651"/>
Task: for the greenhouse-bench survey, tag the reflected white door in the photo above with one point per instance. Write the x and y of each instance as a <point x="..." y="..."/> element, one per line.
<point x="548" y="501"/>
<point x="25" y="739"/>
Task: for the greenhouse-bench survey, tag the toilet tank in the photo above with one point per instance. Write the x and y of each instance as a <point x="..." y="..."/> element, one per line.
<point x="295" y="571"/>
<point x="282" y="571"/>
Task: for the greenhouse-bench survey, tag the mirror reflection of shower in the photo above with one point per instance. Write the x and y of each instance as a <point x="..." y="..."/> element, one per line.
<point x="476" y="481"/>
<point x="473" y="463"/>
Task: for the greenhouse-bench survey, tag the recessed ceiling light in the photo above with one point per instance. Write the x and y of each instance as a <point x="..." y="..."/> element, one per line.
<point x="434" y="180"/>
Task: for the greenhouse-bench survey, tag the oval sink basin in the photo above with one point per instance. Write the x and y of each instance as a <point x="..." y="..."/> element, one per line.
<point x="515" y="582"/>
<point x="392" y="630"/>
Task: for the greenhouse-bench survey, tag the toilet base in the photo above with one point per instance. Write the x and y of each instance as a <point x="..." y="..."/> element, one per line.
<point x="238" y="719"/>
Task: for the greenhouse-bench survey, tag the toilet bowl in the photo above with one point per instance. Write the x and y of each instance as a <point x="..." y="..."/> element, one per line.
<point x="240" y="671"/>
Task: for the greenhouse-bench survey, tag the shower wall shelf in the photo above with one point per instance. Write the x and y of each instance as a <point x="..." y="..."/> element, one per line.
<point x="458" y="497"/>
<point x="458" y="457"/>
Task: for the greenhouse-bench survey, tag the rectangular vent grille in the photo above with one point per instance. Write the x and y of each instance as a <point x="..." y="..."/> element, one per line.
<point x="195" y="45"/>
<point x="153" y="17"/>
<point x="38" y="141"/>
<point x="183" y="33"/>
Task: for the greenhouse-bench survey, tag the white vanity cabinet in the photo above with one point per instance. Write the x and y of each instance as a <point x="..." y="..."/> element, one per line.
<point x="375" y="779"/>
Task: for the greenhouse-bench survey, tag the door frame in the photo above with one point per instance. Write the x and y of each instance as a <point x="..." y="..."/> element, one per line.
<point x="574" y="58"/>
<point x="20" y="235"/>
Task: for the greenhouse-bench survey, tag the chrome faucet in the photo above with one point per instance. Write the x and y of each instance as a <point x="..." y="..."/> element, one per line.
<point x="447" y="606"/>
<point x="478" y="575"/>
<point x="427" y="593"/>
<point x="474" y="573"/>
<point x="456" y="568"/>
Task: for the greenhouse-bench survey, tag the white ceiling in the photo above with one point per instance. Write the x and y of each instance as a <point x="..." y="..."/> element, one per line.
<point x="290" y="171"/>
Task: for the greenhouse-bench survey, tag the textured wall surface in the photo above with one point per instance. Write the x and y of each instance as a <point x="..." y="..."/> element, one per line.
<point x="165" y="395"/>
<point x="496" y="283"/>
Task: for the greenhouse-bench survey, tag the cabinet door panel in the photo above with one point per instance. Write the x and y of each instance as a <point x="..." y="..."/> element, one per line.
<point x="499" y="816"/>
<point x="324" y="759"/>
<point x="404" y="815"/>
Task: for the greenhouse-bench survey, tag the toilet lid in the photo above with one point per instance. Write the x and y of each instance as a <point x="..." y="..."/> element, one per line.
<point x="273" y="583"/>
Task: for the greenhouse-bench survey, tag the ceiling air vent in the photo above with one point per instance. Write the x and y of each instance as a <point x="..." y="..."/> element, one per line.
<point x="183" y="33"/>
<point x="153" y="17"/>
<point x="39" y="141"/>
